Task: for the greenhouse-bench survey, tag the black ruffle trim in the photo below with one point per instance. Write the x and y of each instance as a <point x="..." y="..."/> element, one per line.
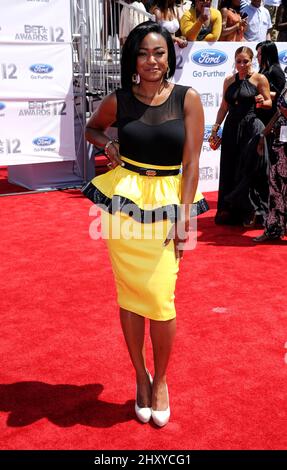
<point x="127" y="206"/>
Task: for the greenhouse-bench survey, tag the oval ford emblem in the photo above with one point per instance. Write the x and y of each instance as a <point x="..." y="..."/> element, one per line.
<point x="209" y="57"/>
<point x="283" y="57"/>
<point x="2" y="106"/>
<point x="44" y="141"/>
<point x="41" y="68"/>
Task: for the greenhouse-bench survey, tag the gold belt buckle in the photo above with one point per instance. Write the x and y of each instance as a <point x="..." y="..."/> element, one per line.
<point x="150" y="172"/>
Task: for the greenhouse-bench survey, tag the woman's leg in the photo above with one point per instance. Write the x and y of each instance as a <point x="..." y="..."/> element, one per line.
<point x="133" y="327"/>
<point x="162" y="335"/>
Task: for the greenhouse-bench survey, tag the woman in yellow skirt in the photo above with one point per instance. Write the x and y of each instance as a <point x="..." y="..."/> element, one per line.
<point x="145" y="200"/>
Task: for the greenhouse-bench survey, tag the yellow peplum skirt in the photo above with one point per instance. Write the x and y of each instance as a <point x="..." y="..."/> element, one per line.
<point x="137" y="214"/>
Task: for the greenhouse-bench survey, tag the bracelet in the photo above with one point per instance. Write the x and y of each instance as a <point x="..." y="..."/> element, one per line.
<point x="215" y="126"/>
<point x="108" y="144"/>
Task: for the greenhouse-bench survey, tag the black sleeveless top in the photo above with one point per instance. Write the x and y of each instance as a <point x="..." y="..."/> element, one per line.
<point x="152" y="134"/>
<point x="240" y="96"/>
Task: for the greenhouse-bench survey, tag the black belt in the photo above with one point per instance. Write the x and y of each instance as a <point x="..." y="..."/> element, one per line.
<point x="150" y="171"/>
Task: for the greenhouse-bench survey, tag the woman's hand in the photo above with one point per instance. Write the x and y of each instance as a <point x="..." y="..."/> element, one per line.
<point x="259" y="100"/>
<point x="214" y="137"/>
<point x="181" y="42"/>
<point x="179" y="234"/>
<point x="112" y="153"/>
<point x="214" y="141"/>
<point x="213" y="133"/>
<point x="243" y="23"/>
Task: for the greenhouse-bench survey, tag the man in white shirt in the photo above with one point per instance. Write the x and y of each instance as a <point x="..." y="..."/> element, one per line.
<point x="259" y="22"/>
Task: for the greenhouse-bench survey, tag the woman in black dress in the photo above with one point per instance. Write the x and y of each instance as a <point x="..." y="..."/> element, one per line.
<point x="243" y="177"/>
<point x="267" y="55"/>
<point x="275" y="223"/>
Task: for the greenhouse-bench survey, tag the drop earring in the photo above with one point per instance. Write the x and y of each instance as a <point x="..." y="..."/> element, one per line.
<point x="136" y="78"/>
<point x="167" y="72"/>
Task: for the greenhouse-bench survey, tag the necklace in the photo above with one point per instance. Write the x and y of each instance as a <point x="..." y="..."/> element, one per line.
<point x="151" y="97"/>
<point x="144" y="96"/>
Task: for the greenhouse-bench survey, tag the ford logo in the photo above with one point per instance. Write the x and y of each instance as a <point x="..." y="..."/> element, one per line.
<point x="44" y="141"/>
<point x="207" y="133"/>
<point x="41" y="68"/>
<point x="209" y="57"/>
<point x="2" y="106"/>
<point x="283" y="57"/>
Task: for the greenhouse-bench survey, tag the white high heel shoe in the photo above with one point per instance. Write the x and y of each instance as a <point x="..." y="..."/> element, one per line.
<point x="143" y="414"/>
<point x="161" y="417"/>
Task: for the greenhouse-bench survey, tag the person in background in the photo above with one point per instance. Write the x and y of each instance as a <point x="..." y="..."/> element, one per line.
<point x="267" y="56"/>
<point x="272" y="7"/>
<point x="201" y="22"/>
<point x="233" y="25"/>
<point x="130" y="18"/>
<point x="242" y="182"/>
<point x="259" y="24"/>
<point x="182" y="6"/>
<point x="160" y="127"/>
<point x="276" y="220"/>
<point x="281" y="22"/>
<point x="148" y="4"/>
<point x="166" y="15"/>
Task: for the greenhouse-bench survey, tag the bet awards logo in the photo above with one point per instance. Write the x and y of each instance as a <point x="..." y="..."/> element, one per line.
<point x="209" y="57"/>
<point x="207" y="173"/>
<point x="43" y="108"/>
<point x="40" y="33"/>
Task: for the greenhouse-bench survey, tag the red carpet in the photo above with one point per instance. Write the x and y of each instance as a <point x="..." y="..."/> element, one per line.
<point x="5" y="186"/>
<point x="66" y="380"/>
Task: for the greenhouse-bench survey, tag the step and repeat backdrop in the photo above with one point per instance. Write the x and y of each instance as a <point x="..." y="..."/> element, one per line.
<point x="204" y="67"/>
<point x="36" y="74"/>
<point x="36" y="92"/>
